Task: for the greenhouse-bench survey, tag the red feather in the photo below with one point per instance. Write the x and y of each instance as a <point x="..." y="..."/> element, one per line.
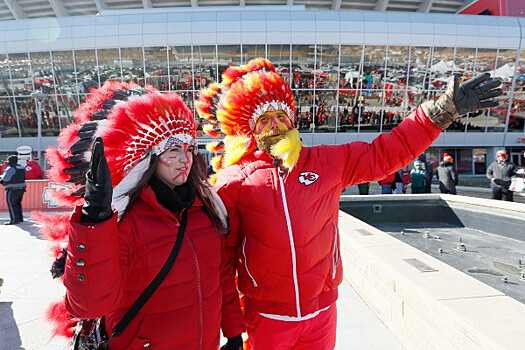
<point x="54" y="227"/>
<point x="57" y="158"/>
<point x="63" y="323"/>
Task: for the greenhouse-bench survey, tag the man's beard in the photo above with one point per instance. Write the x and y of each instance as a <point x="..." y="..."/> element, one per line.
<point x="265" y="141"/>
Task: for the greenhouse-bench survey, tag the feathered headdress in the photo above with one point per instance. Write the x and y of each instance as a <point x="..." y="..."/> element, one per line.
<point x="233" y="107"/>
<point x="134" y="123"/>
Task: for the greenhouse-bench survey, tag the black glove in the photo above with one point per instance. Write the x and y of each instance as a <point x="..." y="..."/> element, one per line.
<point x="234" y="343"/>
<point x="98" y="186"/>
<point x="475" y="93"/>
<point x="459" y="100"/>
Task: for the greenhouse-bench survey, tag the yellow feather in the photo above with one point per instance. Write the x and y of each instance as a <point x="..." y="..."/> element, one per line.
<point x="216" y="162"/>
<point x="212" y="179"/>
<point x="235" y="147"/>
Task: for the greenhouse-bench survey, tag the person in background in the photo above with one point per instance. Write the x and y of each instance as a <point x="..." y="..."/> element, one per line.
<point x="14" y="181"/>
<point x="283" y="197"/>
<point x="387" y="183"/>
<point x="418" y="176"/>
<point x="429" y="169"/>
<point x="398" y="183"/>
<point x="406" y="178"/>
<point x="364" y="188"/>
<point x="499" y="174"/>
<point x="447" y="174"/>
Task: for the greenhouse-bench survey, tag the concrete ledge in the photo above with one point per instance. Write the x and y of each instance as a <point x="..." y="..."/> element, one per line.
<point x="442" y="309"/>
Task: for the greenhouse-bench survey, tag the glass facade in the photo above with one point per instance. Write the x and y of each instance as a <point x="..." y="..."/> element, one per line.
<point x="338" y="88"/>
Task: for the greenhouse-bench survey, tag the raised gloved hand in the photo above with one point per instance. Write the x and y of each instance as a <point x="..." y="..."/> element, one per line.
<point x="98" y="186"/>
<point x="234" y="343"/>
<point x="459" y="100"/>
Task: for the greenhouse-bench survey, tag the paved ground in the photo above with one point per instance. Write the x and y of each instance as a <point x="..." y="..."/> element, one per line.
<point x="28" y="289"/>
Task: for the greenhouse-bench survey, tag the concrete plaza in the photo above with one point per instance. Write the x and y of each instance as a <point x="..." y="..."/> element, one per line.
<point x="28" y="290"/>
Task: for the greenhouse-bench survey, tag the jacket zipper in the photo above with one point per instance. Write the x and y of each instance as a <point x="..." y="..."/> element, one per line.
<point x="335" y="254"/>
<point x="246" y="263"/>
<point x="199" y="291"/>
<point x="292" y="247"/>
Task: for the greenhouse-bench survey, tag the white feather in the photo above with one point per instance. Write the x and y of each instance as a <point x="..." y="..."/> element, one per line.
<point x="120" y="200"/>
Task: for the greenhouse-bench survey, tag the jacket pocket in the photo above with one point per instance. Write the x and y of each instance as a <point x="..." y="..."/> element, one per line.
<point x="246" y="262"/>
<point x="335" y="251"/>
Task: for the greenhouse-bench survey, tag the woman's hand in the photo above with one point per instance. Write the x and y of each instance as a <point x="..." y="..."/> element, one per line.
<point x="99" y="189"/>
<point x="234" y="343"/>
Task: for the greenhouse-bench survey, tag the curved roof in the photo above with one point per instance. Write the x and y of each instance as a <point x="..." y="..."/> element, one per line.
<point x="20" y="9"/>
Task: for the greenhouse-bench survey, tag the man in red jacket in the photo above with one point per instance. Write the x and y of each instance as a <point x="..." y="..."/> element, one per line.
<point x="283" y="198"/>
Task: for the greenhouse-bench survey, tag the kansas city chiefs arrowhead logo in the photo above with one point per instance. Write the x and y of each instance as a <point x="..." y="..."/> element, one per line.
<point x="307" y="178"/>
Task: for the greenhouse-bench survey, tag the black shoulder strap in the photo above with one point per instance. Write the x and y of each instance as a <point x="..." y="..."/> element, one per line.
<point x="148" y="292"/>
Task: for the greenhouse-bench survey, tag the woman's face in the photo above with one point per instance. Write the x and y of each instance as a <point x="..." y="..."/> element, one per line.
<point x="175" y="164"/>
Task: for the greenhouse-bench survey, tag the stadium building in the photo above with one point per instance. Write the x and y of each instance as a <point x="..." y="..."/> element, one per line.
<point x="357" y="68"/>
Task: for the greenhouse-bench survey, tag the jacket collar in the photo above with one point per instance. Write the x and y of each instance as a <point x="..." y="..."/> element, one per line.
<point x="148" y="196"/>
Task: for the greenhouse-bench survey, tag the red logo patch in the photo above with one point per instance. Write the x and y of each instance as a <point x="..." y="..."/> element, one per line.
<point x="307" y="178"/>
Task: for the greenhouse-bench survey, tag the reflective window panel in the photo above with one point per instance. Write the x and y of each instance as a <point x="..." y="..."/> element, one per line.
<point x="326" y="66"/>
<point x="349" y="111"/>
<point x="42" y="72"/>
<point x="305" y="110"/>
<point x="205" y="64"/>
<point x="518" y="101"/>
<point x="350" y="71"/>
<point x="505" y="66"/>
<point x="228" y="55"/>
<point x="496" y="117"/>
<point x="442" y="67"/>
<point x="87" y="71"/>
<point x="463" y="161"/>
<point x="28" y="114"/>
<point x="180" y="68"/>
<point x="479" y="156"/>
<point x="279" y="55"/>
<point x="64" y="72"/>
<point x="371" y="114"/>
<point x="374" y="60"/>
<point x="394" y="108"/>
<point x="109" y="66"/>
<point x="303" y="65"/>
<point x="325" y="108"/>
<point x="67" y="103"/>
<point x="8" y="123"/>
<point x="249" y="52"/>
<point x="5" y="80"/>
<point x="156" y="61"/>
<point x="418" y="77"/>
<point x="464" y="61"/>
<point x="397" y="68"/>
<point x="131" y="61"/>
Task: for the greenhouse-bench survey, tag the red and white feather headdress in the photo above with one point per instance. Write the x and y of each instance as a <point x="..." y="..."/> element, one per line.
<point x="134" y="123"/>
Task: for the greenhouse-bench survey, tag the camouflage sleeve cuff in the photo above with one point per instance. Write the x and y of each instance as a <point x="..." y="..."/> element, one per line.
<point x="437" y="114"/>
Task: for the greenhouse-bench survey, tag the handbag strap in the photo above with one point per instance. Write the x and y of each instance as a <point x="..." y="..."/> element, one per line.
<point x="148" y="292"/>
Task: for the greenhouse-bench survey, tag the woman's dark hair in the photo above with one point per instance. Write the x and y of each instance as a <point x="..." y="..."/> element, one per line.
<point x="196" y="178"/>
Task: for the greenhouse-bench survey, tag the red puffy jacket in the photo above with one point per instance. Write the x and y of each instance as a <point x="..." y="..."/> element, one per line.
<point x="118" y="261"/>
<point x="284" y="236"/>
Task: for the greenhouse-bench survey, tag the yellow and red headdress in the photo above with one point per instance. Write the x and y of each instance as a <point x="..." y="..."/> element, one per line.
<point x="233" y="106"/>
<point x="246" y="92"/>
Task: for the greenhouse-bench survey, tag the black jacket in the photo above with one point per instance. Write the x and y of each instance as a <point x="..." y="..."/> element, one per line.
<point x="447" y="175"/>
<point x="14" y="177"/>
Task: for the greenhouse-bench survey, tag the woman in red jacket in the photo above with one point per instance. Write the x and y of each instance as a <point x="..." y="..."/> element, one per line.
<point x="135" y="201"/>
